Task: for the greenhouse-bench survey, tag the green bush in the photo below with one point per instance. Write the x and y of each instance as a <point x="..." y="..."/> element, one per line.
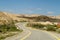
<point x="51" y="28"/>
<point x="1" y="38"/>
<point x="44" y="28"/>
<point x="6" y="28"/>
<point x="35" y="25"/>
<point x="38" y="25"/>
<point x="23" y="21"/>
<point x="58" y="30"/>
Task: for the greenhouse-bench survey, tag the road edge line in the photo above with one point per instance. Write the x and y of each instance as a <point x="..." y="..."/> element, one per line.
<point x="53" y="35"/>
<point x="26" y="36"/>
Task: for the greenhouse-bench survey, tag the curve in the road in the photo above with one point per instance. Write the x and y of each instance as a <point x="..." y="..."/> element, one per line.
<point x="57" y="38"/>
<point x="33" y="33"/>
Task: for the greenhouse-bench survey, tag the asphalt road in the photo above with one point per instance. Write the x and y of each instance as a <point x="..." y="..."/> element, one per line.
<point x="35" y="34"/>
<point x="39" y="35"/>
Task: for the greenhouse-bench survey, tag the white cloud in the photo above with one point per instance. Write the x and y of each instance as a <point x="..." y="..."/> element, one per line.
<point x="38" y="9"/>
<point x="50" y="12"/>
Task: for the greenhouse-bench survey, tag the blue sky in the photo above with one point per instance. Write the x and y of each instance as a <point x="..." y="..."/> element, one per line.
<point x="45" y="7"/>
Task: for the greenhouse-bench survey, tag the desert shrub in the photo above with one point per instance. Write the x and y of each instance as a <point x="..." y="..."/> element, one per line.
<point x="6" y="28"/>
<point x="58" y="30"/>
<point x="1" y="38"/>
<point x="38" y="25"/>
<point x="51" y="27"/>
<point x="44" y="28"/>
<point x="23" y="21"/>
<point x="16" y="20"/>
<point x="35" y="25"/>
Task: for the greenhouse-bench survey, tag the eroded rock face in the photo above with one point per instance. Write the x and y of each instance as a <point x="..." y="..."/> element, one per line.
<point x="4" y="18"/>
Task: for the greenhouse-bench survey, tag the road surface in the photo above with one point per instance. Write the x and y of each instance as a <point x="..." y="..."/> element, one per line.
<point x="39" y="35"/>
<point x="34" y="34"/>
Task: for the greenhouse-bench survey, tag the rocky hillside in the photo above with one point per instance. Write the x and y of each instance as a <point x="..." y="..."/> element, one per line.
<point x="40" y="18"/>
<point x="8" y="17"/>
<point x="57" y="17"/>
<point x="4" y="18"/>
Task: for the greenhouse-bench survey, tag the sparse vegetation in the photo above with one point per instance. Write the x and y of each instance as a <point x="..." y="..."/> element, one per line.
<point x="7" y="26"/>
<point x="10" y="30"/>
<point x="23" y="21"/>
<point x="35" y="25"/>
<point x="44" y="27"/>
<point x="58" y="30"/>
<point x="50" y="28"/>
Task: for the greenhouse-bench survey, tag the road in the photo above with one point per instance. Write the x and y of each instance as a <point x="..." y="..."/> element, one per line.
<point x="39" y="35"/>
<point x="34" y="34"/>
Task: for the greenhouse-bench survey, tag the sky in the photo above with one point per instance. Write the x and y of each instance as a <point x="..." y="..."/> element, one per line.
<point x="44" y="7"/>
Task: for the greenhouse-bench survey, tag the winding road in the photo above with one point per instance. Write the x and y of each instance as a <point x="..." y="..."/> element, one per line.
<point x="29" y="34"/>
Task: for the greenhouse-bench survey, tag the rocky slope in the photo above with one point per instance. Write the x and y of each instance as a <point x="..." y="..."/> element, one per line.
<point x="7" y="17"/>
<point x="4" y="18"/>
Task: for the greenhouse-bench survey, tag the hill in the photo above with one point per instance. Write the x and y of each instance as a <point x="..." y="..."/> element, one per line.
<point x="26" y="17"/>
<point x="4" y="18"/>
<point x="7" y="26"/>
<point x="40" y="18"/>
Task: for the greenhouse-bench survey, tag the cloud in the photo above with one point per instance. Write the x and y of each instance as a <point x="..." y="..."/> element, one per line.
<point x="38" y="9"/>
<point x="50" y="12"/>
